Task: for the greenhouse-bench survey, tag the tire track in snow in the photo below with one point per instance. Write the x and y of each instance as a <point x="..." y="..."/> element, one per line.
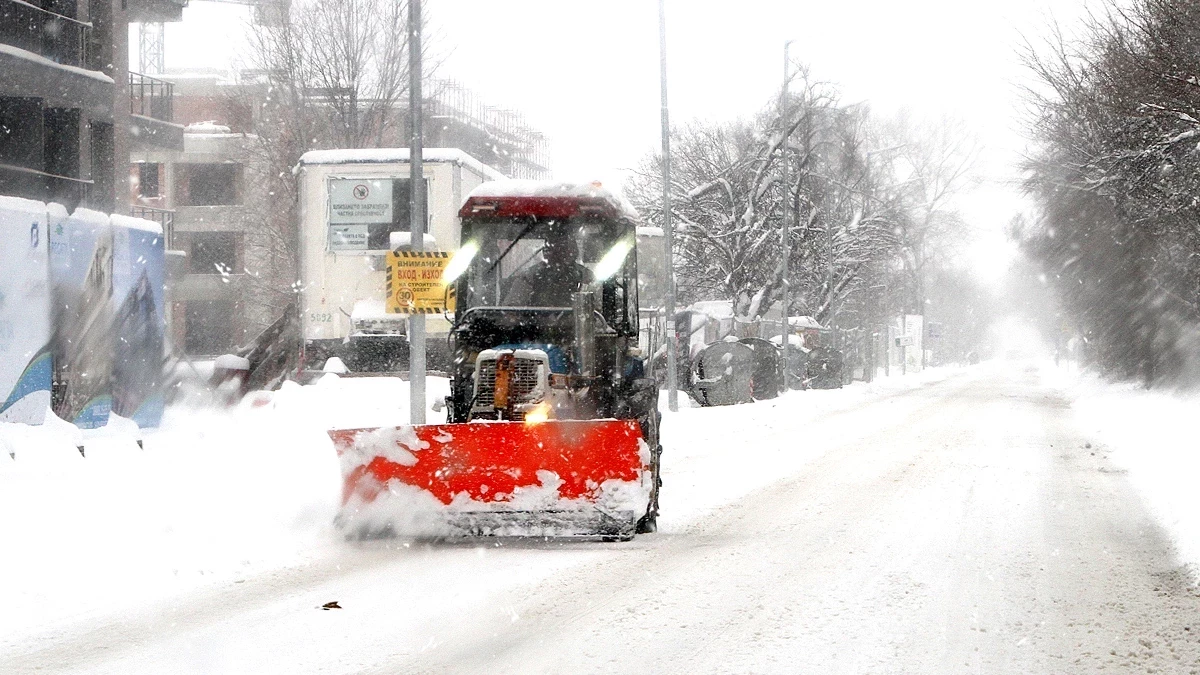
<point x="692" y="561"/>
<point x="975" y="544"/>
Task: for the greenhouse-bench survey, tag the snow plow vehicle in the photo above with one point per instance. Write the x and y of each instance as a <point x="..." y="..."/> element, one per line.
<point x="553" y="423"/>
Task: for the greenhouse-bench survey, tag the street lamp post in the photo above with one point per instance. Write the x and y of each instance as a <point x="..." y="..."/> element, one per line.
<point x="785" y="240"/>
<point x="668" y="227"/>
<point x="416" y="202"/>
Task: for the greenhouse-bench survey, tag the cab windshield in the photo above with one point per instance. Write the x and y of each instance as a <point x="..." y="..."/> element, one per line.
<point x="540" y="263"/>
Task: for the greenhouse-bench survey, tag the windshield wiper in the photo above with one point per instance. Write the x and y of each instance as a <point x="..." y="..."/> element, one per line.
<point x="511" y="244"/>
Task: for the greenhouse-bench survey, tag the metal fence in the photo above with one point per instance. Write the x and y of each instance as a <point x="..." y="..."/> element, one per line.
<point x="151" y="97"/>
<point x="57" y="37"/>
<point x="164" y="217"/>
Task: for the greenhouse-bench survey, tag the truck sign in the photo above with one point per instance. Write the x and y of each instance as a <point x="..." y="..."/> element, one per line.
<point x="359" y="200"/>
<point x="414" y="283"/>
<point x="348" y="237"/>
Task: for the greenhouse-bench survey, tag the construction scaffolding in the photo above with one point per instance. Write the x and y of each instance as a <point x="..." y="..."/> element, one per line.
<point x="517" y="150"/>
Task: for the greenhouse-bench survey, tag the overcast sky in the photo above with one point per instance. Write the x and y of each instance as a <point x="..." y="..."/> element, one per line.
<point x="586" y="73"/>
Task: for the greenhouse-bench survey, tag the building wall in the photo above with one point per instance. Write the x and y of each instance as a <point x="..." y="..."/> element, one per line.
<point x="58" y="123"/>
<point x="259" y="284"/>
<point x="65" y="119"/>
<point x="207" y="299"/>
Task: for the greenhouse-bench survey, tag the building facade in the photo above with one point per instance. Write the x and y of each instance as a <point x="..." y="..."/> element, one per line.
<point x="204" y="193"/>
<point x="230" y="277"/>
<point x="70" y="110"/>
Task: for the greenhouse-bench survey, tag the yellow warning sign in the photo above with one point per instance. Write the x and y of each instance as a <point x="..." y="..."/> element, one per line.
<point x="414" y="283"/>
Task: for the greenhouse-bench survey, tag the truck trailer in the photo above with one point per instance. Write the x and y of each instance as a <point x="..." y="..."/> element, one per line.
<point x="354" y="209"/>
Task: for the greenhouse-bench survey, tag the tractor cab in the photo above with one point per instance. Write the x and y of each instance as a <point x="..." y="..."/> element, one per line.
<point x="547" y="307"/>
<point x="553" y="425"/>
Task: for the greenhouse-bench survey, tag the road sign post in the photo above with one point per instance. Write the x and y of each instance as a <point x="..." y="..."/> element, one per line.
<point x="416" y="203"/>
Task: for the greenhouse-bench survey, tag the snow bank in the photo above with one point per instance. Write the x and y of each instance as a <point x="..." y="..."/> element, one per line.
<point x="219" y="495"/>
<point x="214" y="496"/>
<point x="1152" y="436"/>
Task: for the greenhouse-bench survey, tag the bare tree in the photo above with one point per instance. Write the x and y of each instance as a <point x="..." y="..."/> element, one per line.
<point x="1116" y="116"/>
<point x="322" y="74"/>
<point x="932" y="162"/>
<point x="859" y="196"/>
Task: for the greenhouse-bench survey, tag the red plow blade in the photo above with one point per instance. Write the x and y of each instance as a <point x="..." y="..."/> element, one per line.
<point x="560" y="477"/>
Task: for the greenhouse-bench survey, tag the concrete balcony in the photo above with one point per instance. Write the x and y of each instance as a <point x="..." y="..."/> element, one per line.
<point x="46" y="55"/>
<point x="55" y="37"/>
<point x="151" y="114"/>
<point x="155" y="11"/>
<point x="47" y="187"/>
<point x="164" y="217"/>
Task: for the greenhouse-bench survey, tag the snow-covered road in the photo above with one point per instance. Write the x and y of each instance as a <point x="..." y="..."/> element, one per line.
<point x="962" y="526"/>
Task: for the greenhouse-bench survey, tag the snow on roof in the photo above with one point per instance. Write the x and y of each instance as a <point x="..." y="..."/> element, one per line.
<point x="373" y="308"/>
<point x="717" y="309"/>
<point x="793" y="340"/>
<point x="193" y="74"/>
<point x="550" y="189"/>
<point x="208" y="127"/>
<point x="21" y="204"/>
<point x="90" y="217"/>
<point x="136" y="224"/>
<point x="232" y="362"/>
<point x="649" y="231"/>
<point x="41" y="60"/>
<point x="804" y="322"/>
<point x="399" y="239"/>
<point x="397" y="155"/>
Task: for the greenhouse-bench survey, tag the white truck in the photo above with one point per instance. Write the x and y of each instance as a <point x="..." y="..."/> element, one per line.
<point x="353" y="210"/>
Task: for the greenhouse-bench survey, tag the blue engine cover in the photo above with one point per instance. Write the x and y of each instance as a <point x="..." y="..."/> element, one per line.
<point x="558" y="360"/>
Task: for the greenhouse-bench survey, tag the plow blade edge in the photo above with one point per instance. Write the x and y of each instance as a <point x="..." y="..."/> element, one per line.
<point x="554" y="478"/>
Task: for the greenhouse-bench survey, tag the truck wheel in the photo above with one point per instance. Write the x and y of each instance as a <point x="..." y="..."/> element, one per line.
<point x="648" y="523"/>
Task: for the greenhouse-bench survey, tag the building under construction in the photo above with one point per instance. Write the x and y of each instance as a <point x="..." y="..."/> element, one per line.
<point x="501" y="138"/>
<point x="212" y="195"/>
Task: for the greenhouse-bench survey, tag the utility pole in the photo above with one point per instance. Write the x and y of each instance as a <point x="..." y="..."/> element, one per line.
<point x="668" y="227"/>
<point x="785" y="331"/>
<point x="829" y="265"/>
<point x="416" y="211"/>
<point x="922" y="307"/>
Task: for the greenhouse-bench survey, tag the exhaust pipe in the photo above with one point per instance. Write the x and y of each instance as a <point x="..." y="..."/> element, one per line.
<point x="585" y="333"/>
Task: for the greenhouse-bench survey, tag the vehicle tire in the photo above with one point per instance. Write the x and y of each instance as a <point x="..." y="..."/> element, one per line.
<point x="648" y="523"/>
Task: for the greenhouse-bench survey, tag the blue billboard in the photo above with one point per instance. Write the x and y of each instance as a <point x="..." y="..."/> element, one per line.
<point x="25" y="362"/>
<point x="81" y="278"/>
<point x="139" y="326"/>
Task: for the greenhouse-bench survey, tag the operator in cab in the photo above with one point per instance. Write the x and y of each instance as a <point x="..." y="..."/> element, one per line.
<point x="552" y="280"/>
